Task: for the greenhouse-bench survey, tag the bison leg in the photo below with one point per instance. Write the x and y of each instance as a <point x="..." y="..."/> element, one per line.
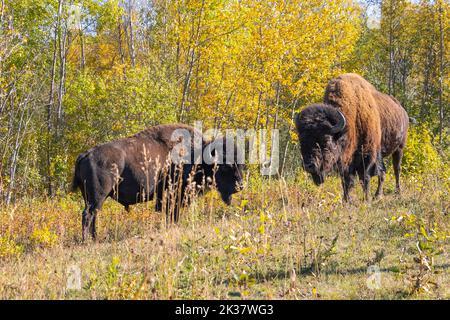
<point x="159" y="199"/>
<point x="366" y="168"/>
<point x="348" y="181"/>
<point x="381" y="178"/>
<point x="88" y="223"/>
<point x="170" y="204"/>
<point x="89" y="218"/>
<point x="364" y="177"/>
<point x="397" y="161"/>
<point x="176" y="212"/>
<point x="169" y="201"/>
<point x="161" y="196"/>
<point x="93" y="225"/>
<point x="172" y="210"/>
<point x="86" y="220"/>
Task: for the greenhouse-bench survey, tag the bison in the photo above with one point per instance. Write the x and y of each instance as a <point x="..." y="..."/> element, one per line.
<point x="351" y="132"/>
<point x="135" y="169"/>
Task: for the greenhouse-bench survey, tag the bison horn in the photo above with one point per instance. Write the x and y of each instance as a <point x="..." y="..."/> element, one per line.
<point x="340" y="125"/>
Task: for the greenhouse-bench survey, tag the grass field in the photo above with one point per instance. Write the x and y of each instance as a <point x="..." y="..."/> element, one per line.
<point x="279" y="240"/>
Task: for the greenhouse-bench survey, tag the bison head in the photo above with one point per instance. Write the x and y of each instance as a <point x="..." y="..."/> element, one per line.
<point x="320" y="129"/>
<point x="225" y="169"/>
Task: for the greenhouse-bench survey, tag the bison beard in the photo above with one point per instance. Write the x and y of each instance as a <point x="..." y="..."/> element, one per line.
<point x="135" y="169"/>
<point x="375" y="127"/>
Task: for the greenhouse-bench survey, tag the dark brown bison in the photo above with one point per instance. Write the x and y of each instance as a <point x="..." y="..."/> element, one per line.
<point x="355" y="128"/>
<point x="135" y="169"/>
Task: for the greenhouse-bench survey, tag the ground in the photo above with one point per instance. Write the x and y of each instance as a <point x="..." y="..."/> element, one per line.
<point x="280" y="239"/>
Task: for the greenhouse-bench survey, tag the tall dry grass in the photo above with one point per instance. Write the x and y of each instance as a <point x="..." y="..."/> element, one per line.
<point x="284" y="239"/>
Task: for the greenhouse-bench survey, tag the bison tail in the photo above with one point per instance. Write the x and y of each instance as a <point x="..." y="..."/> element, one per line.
<point x="412" y="120"/>
<point x="75" y="180"/>
<point x="75" y="183"/>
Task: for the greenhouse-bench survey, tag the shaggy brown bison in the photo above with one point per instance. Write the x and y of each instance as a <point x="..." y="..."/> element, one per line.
<point x="134" y="169"/>
<point x="355" y="128"/>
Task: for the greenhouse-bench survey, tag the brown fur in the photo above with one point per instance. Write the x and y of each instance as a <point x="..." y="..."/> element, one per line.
<point x="354" y="97"/>
<point x="394" y="123"/>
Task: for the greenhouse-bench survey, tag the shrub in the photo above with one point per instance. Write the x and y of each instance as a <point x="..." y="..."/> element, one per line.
<point x="429" y="243"/>
<point x="420" y="155"/>
<point x="9" y="247"/>
<point x="44" y="237"/>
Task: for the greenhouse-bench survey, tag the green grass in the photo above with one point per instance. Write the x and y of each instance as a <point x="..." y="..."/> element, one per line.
<point x="279" y="240"/>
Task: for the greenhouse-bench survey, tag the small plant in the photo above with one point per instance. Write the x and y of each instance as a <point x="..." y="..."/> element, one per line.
<point x="321" y="255"/>
<point x="429" y="243"/>
<point x="119" y="285"/>
<point x="9" y="247"/>
<point x="44" y="237"/>
<point x="112" y="273"/>
<point x="420" y="155"/>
